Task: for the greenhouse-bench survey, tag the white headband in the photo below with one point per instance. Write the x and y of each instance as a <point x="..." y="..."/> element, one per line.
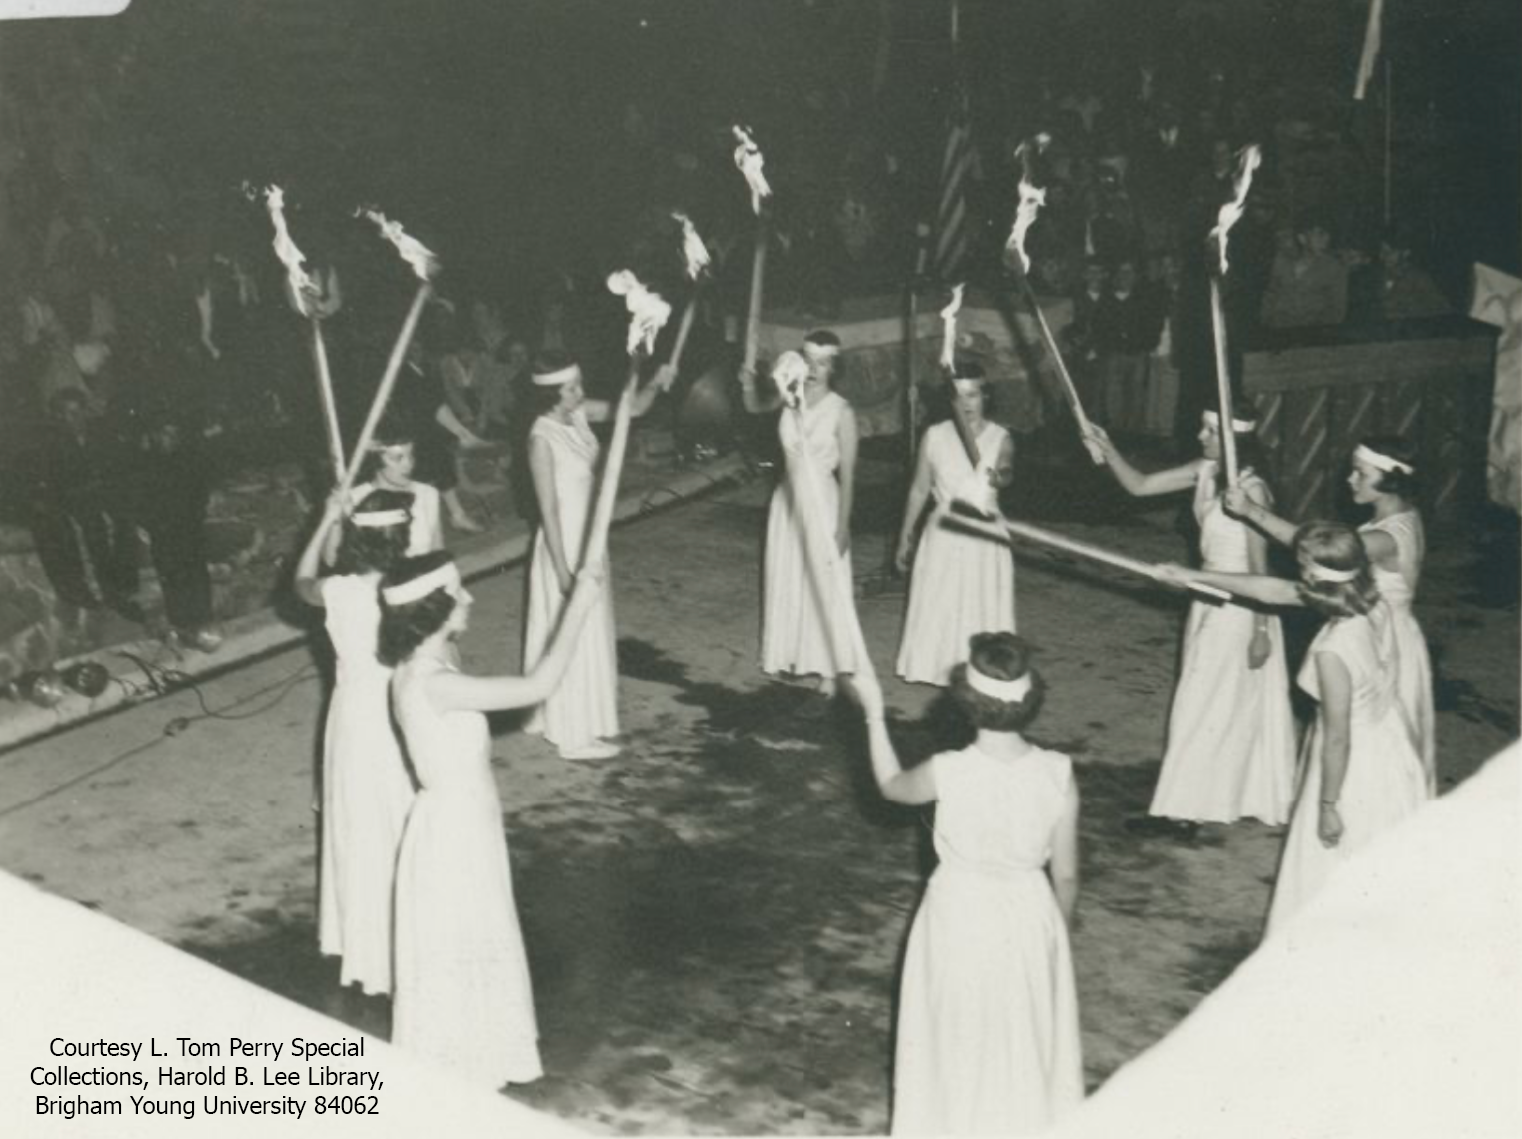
<point x="375" y="518"/>
<point x="560" y="376"/>
<point x="820" y="351"/>
<point x="1315" y="571"/>
<point x="1009" y="691"/>
<point x="1382" y="462"/>
<point x="418" y="588"/>
<point x="1213" y="421"/>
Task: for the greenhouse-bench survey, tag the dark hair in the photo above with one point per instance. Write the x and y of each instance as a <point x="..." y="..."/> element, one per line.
<point x="404" y="627"/>
<point x="394" y="431"/>
<point x="965" y="369"/>
<point x="1003" y="656"/>
<point x="375" y="549"/>
<point x="1402" y="484"/>
<point x="822" y="337"/>
<point x="540" y="398"/>
<point x="1338" y="547"/>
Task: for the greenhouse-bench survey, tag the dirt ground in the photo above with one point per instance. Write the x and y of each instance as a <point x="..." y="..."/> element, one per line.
<point x="715" y="917"/>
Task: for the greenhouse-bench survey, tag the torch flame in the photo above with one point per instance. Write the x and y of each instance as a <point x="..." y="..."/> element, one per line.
<point x="1032" y="197"/>
<point x="303" y="288"/>
<point x="789" y="373"/>
<point x="648" y="311"/>
<point x="1248" y="160"/>
<point x="413" y="251"/>
<point x="748" y="158"/>
<point x="693" y="248"/>
<point x="949" y="318"/>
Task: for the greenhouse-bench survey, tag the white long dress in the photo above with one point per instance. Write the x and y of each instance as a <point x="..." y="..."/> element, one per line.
<point x="795" y="637"/>
<point x="585" y="705"/>
<point x="1398" y="588"/>
<point x="962" y="584"/>
<point x="463" y="992"/>
<point x="1231" y="734"/>
<point x="1384" y="782"/>
<point x="988" y="1039"/>
<point x="366" y="791"/>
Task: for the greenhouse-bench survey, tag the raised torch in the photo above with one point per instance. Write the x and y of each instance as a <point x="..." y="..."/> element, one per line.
<point x="424" y="264"/>
<point x="1247" y="161"/>
<point x="301" y="290"/>
<point x="750" y="161"/>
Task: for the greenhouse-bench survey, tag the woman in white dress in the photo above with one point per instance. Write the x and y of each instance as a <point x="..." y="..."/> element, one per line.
<point x="366" y="790"/>
<point x="988" y="1039"/>
<point x="962" y="584"/>
<point x="1383" y="477"/>
<point x="1360" y="774"/>
<point x="1231" y="733"/>
<point x="395" y="461"/>
<point x="802" y="632"/>
<point x="463" y="993"/>
<point x="580" y="717"/>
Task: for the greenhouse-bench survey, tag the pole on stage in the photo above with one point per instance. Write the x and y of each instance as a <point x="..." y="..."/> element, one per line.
<point x="949" y="371"/>
<point x="749" y="160"/>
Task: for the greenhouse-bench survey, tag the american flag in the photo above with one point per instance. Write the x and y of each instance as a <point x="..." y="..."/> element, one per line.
<point x="959" y="163"/>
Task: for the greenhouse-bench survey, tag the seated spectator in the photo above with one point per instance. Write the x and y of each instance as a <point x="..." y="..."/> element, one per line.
<point x="1308" y="286"/>
<point x="1394" y="289"/>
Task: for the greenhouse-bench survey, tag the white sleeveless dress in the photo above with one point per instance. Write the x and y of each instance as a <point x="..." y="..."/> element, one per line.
<point x="988" y="1038"/>
<point x="584" y="706"/>
<point x="1231" y="733"/>
<point x="463" y="993"/>
<point x="962" y="584"/>
<point x="801" y="631"/>
<point x="366" y="791"/>
<point x="1384" y="783"/>
<point x="1398" y="588"/>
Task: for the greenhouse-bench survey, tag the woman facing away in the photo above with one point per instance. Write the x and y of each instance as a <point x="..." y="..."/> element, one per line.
<point x="463" y="993"/>
<point x="1360" y="774"/>
<point x="1383" y="477"/>
<point x="366" y="790"/>
<point x="1231" y="734"/>
<point x="580" y="716"/>
<point x="988" y="1039"/>
<point x="962" y="584"/>
<point x="802" y="632"/>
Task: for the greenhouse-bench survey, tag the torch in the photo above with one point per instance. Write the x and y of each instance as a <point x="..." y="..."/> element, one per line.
<point x="967" y="516"/>
<point x="424" y="265"/>
<point x="750" y="161"/>
<point x="648" y="314"/>
<point x="948" y="368"/>
<point x="696" y="255"/>
<point x="302" y="289"/>
<point x="1230" y="213"/>
<point x="1031" y="201"/>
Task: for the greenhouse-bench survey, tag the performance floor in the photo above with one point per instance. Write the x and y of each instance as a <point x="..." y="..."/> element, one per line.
<point x="715" y="917"/>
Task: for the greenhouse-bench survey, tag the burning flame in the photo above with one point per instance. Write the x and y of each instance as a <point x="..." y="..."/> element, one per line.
<point x="648" y="311"/>
<point x="1247" y="161"/>
<point x="949" y="317"/>
<point x="692" y="247"/>
<point x="789" y="373"/>
<point x="413" y="251"/>
<point x="303" y="288"/>
<point x="1032" y="198"/>
<point x="748" y="158"/>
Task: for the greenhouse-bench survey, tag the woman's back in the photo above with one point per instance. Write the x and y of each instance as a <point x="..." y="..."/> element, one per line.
<point x="449" y="749"/>
<point x="997" y="815"/>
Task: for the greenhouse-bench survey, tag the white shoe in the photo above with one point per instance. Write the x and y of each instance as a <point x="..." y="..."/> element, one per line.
<point x="597" y="749"/>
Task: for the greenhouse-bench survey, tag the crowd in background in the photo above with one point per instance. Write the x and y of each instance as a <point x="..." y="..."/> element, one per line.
<point x="148" y="349"/>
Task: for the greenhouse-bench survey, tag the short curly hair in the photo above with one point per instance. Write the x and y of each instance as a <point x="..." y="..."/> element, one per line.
<point x="404" y="627"/>
<point x="375" y="549"/>
<point x="1002" y="656"/>
<point x="1335" y="546"/>
<point x="1403" y="484"/>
